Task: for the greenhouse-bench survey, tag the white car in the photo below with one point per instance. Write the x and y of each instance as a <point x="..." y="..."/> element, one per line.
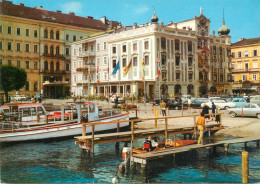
<point x="223" y="104"/>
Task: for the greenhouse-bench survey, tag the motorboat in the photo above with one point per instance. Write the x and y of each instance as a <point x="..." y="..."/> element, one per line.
<point x="31" y="121"/>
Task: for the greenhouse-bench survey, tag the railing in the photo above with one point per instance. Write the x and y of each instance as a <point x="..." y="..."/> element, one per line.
<point x="53" y="71"/>
<point x="87" y="53"/>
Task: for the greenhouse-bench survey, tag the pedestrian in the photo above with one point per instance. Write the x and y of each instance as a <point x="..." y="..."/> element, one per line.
<point x="248" y="99"/>
<point x="213" y="109"/>
<point x="40" y="99"/>
<point x="189" y="104"/>
<point x="107" y="99"/>
<point x="116" y="102"/>
<point x="217" y="116"/>
<point x="205" y="110"/>
<point x="163" y="107"/>
<point x="200" y="125"/>
<point x="33" y="99"/>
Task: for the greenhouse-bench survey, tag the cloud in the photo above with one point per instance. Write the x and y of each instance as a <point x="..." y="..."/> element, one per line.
<point x="72" y="6"/>
<point x="141" y="10"/>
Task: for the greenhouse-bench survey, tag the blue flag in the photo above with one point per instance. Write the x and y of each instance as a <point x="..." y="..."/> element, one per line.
<point x="116" y="68"/>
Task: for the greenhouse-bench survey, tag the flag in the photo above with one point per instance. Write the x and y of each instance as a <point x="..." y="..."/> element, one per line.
<point x="98" y="75"/>
<point x="143" y="69"/>
<point x="128" y="67"/>
<point x="159" y="68"/>
<point x="89" y="81"/>
<point x="116" y="68"/>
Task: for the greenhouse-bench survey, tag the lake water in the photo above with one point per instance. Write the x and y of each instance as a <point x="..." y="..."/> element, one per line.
<point x="63" y="162"/>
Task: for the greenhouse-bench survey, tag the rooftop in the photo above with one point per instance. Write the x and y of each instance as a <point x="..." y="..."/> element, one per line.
<point x="247" y="42"/>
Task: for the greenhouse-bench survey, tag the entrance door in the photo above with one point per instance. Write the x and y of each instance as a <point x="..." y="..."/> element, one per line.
<point x="246" y="66"/>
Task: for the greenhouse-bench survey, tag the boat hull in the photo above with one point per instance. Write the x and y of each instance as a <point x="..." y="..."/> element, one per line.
<point x="57" y="131"/>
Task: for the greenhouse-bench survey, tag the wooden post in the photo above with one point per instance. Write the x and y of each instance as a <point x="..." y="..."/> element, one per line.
<point x="118" y="130"/>
<point x="83" y="129"/>
<point x="92" y="142"/>
<point x="156" y="112"/>
<point x="136" y="113"/>
<point x="174" y="138"/>
<point x="242" y="112"/>
<point x="257" y="143"/>
<point x="132" y="129"/>
<point x="166" y="129"/>
<point x="46" y="119"/>
<point x="245" y="171"/>
<point x="220" y="122"/>
<point x="194" y="121"/>
<point x="155" y="123"/>
<point x="182" y="109"/>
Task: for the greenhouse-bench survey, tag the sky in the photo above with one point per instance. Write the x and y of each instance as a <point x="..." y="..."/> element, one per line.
<point x="241" y="16"/>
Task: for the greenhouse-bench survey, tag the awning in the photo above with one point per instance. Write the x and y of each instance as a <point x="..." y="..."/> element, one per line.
<point x="250" y="88"/>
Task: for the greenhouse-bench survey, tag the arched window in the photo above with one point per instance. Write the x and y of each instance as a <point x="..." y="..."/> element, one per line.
<point x="57" y="66"/>
<point x="45" y="49"/>
<point x="52" y="67"/>
<point x="45" y="65"/>
<point x="57" y="35"/>
<point x="57" y="50"/>
<point x="51" y="34"/>
<point x="177" y="44"/>
<point x="27" y="86"/>
<point x="45" y="33"/>
<point x="35" y="86"/>
<point x="177" y="89"/>
<point x="51" y="50"/>
<point x="190" y="89"/>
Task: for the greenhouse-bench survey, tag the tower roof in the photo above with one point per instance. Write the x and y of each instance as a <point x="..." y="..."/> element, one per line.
<point x="223" y="30"/>
<point x="154" y="18"/>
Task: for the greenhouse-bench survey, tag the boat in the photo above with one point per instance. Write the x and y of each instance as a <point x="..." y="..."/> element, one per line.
<point x="31" y="121"/>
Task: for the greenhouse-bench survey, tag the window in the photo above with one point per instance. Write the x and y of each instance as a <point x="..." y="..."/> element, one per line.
<point x="35" y="86"/>
<point x="114" y="63"/>
<point x="67" y="66"/>
<point x="18" y="31"/>
<point x="239" y="65"/>
<point x="134" y="46"/>
<point x="97" y="47"/>
<point x="190" y="76"/>
<point x="105" y="60"/>
<point x="163" y="59"/>
<point x="57" y="35"/>
<point x="177" y="60"/>
<point x="124" y="48"/>
<point x="51" y="34"/>
<point x="189" y="46"/>
<point x="9" y="30"/>
<point x="27" y="86"/>
<point x="221" y="78"/>
<point x="254" y="76"/>
<point x="146" y="45"/>
<point x="57" y="50"/>
<point x="246" y="53"/>
<point x="178" y="75"/>
<point x="35" y="33"/>
<point x="239" y="54"/>
<point x="45" y="49"/>
<point x="1" y="45"/>
<point x="189" y="61"/>
<point x="35" y="48"/>
<point x="27" y="32"/>
<point x="74" y="38"/>
<point x="1" y="62"/>
<point x="9" y="62"/>
<point x="163" y="43"/>
<point x="27" y="47"/>
<point x="51" y="50"/>
<point x="146" y="60"/>
<point x="1" y="29"/>
<point x="135" y="61"/>
<point x="35" y="65"/>
<point x="255" y="64"/>
<point x="98" y="61"/>
<point x="244" y="77"/>
<point x="67" y="51"/>
<point x="45" y="33"/>
<point x="255" y="52"/>
<point x="91" y="48"/>
<point x="81" y="37"/>
<point x="75" y="52"/>
<point x="67" y="37"/>
<point x="52" y="67"/>
<point x="177" y="45"/>
<point x="9" y="46"/>
<point x="75" y="78"/>
<point x="105" y="45"/>
<point x="114" y="50"/>
<point x="27" y="65"/>
<point x="57" y="66"/>
<point x="18" y="63"/>
<point x="18" y="46"/>
<point x="124" y="62"/>
<point x="220" y="50"/>
<point x="45" y="65"/>
<point x="105" y="75"/>
<point x="233" y="65"/>
<point x="233" y="54"/>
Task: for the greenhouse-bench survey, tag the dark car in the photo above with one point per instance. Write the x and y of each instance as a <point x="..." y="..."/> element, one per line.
<point x="178" y="105"/>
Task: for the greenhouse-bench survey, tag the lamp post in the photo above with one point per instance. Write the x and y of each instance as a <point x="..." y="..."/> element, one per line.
<point x="240" y="82"/>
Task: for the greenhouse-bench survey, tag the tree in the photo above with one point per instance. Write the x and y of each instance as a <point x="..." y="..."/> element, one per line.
<point x="213" y="89"/>
<point x="203" y="90"/>
<point x="12" y="78"/>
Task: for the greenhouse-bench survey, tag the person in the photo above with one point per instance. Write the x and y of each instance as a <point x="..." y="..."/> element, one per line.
<point x="200" y="125"/>
<point x="33" y="99"/>
<point x="213" y="109"/>
<point x="116" y="101"/>
<point x="189" y="104"/>
<point x="205" y="110"/>
<point x="163" y="107"/>
<point x="40" y="99"/>
<point x="217" y="116"/>
<point x="107" y="98"/>
<point x="248" y="99"/>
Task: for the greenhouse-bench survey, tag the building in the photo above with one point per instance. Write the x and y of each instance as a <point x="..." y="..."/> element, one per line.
<point x="246" y="66"/>
<point x="190" y="60"/>
<point x="39" y="40"/>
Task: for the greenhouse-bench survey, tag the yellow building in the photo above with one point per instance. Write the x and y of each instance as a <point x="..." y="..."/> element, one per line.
<point x="39" y="40"/>
<point x="246" y="66"/>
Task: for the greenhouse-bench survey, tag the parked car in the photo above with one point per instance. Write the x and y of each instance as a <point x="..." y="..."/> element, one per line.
<point x="239" y="101"/>
<point x="223" y="104"/>
<point x="249" y="109"/>
<point x="178" y="105"/>
<point x="199" y="101"/>
<point x="19" y="97"/>
<point x="255" y="99"/>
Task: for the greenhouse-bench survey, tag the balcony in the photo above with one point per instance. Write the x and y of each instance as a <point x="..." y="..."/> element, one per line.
<point x="53" y="71"/>
<point x="245" y="70"/>
<point x="48" y="83"/>
<point x="85" y="68"/>
<point x="55" y="56"/>
<point x="87" y="53"/>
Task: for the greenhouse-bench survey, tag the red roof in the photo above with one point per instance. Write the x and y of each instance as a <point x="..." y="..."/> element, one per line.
<point x="247" y="42"/>
<point x="38" y="13"/>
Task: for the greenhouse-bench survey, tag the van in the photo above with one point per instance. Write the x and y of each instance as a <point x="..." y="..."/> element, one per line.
<point x="255" y="99"/>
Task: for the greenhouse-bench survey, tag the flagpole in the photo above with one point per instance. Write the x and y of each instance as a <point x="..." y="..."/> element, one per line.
<point x="88" y="76"/>
<point x="144" y="90"/>
<point x="132" y="79"/>
<point x="108" y="83"/>
<point x="119" y="78"/>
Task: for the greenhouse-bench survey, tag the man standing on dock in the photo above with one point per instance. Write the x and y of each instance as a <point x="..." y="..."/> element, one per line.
<point x="163" y="107"/>
<point x="200" y="125"/>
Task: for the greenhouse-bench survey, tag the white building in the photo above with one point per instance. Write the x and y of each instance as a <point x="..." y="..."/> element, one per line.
<point x="190" y="58"/>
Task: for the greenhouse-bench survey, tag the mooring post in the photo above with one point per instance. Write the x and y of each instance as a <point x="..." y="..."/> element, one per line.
<point x="155" y="123"/>
<point x="132" y="129"/>
<point x="245" y="144"/>
<point x="83" y="129"/>
<point x="62" y="112"/>
<point x="118" y="130"/>
<point x="92" y="142"/>
<point x="226" y="147"/>
<point x="245" y="171"/>
<point x="257" y="143"/>
<point x="166" y="129"/>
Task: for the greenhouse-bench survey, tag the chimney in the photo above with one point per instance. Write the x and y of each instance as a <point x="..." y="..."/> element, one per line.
<point x="89" y="17"/>
<point x="213" y="32"/>
<point x="240" y="39"/>
<point x="21" y="4"/>
<point x="170" y="23"/>
<point x="58" y="11"/>
<point x="135" y="25"/>
<point x="71" y="13"/>
<point x="162" y="23"/>
<point x="104" y="20"/>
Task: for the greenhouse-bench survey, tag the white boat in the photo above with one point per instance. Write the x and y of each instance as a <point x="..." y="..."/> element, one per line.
<point x="28" y="122"/>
